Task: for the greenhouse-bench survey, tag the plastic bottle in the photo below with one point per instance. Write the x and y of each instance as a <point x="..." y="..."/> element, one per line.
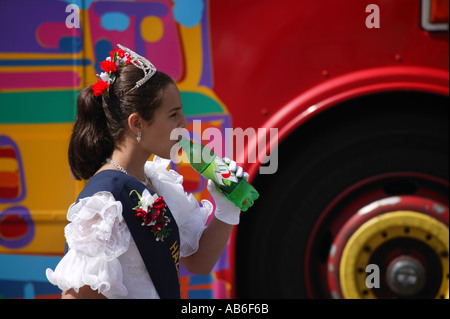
<point x="207" y="163"/>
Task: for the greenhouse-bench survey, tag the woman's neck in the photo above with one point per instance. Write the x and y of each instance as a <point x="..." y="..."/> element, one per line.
<point x="132" y="162"/>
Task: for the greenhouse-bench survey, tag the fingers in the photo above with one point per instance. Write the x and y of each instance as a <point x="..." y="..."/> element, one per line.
<point x="231" y="164"/>
<point x="238" y="170"/>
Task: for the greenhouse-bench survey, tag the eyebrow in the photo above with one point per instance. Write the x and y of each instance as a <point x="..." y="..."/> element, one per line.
<point x="175" y="108"/>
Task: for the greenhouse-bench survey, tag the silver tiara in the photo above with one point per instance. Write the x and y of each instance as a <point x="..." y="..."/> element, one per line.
<point x="141" y="63"/>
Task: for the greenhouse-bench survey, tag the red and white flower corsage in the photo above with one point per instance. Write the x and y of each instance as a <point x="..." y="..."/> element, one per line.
<point x="110" y="66"/>
<point x="152" y="209"/>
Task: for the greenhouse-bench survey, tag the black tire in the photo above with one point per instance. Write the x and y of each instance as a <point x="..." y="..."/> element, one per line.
<point x="364" y="138"/>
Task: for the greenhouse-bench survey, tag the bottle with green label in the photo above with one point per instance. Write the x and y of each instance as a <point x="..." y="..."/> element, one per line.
<point x="211" y="166"/>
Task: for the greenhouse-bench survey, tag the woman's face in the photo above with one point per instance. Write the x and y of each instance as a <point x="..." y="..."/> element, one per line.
<point x="167" y="117"/>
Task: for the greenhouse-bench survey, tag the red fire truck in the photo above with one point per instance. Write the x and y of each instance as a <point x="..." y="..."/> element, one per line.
<point x="359" y="93"/>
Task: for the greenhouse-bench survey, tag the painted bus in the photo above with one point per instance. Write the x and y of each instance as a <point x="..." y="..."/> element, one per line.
<point x="354" y="187"/>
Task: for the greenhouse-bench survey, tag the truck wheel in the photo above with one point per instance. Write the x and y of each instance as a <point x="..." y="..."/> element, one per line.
<point x="358" y="186"/>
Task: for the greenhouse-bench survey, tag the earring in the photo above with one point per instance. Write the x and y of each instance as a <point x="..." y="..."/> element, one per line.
<point x="138" y="138"/>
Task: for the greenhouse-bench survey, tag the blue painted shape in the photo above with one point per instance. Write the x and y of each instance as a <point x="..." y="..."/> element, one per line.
<point x="102" y="49"/>
<point x="201" y="294"/>
<point x="200" y="280"/>
<point x="115" y="21"/>
<point x="196" y="280"/>
<point x="19" y="289"/>
<point x="188" y="12"/>
<point x="26" y="268"/>
<point x="28" y="291"/>
<point x="44" y="62"/>
<point x="70" y="44"/>
<point x="24" y="275"/>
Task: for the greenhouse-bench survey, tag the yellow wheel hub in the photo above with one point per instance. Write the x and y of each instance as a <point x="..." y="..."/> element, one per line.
<point x="381" y="229"/>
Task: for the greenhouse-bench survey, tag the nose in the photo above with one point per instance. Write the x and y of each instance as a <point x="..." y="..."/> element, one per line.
<point x="184" y="122"/>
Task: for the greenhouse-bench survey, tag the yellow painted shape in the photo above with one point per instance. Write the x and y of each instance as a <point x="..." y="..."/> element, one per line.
<point x="152" y="29"/>
<point x="193" y="55"/>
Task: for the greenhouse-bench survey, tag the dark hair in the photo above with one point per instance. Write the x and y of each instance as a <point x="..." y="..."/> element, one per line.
<point x="101" y="121"/>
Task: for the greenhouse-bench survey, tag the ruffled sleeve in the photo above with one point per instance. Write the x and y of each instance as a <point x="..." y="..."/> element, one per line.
<point x="191" y="217"/>
<point x="96" y="236"/>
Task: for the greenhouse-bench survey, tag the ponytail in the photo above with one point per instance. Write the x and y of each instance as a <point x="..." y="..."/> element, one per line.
<point x="90" y="143"/>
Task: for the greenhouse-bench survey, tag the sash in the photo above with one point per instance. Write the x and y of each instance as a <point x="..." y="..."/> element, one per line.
<point x="161" y="258"/>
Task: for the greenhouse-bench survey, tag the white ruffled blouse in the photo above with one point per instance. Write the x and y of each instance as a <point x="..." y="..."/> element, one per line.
<point x="102" y="253"/>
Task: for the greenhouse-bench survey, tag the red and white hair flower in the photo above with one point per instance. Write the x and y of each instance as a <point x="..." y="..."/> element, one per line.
<point x="110" y="66"/>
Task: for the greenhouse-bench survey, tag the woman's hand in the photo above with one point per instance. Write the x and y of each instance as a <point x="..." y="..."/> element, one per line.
<point x="226" y="211"/>
<point x="239" y="171"/>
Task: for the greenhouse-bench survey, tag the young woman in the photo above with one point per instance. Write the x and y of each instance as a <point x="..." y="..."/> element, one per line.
<point x="133" y="223"/>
